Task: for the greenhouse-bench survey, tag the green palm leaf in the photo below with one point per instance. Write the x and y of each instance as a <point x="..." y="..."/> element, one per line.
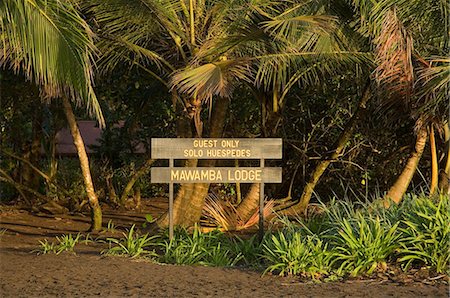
<point x="52" y="45"/>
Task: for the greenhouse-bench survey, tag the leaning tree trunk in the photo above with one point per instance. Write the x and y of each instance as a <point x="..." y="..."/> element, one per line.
<point x="141" y="171"/>
<point x="271" y="120"/>
<point x="190" y="199"/>
<point x="96" y="211"/>
<point x="434" y="162"/>
<point x="400" y="186"/>
<point x="444" y="176"/>
<point x="250" y="203"/>
<point x="338" y="148"/>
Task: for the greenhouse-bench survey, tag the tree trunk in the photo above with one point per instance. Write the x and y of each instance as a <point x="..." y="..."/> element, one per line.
<point x="271" y="119"/>
<point x="343" y="139"/>
<point x="33" y="152"/>
<point x="137" y="197"/>
<point x="141" y="171"/>
<point x="189" y="201"/>
<point x="444" y="176"/>
<point x="434" y="162"/>
<point x="250" y="203"/>
<point x="400" y="186"/>
<point x="96" y="211"/>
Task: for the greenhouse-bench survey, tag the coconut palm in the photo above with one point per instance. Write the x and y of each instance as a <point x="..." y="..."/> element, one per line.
<point x="52" y="45"/>
<point x="161" y="37"/>
<point x="410" y="41"/>
<point x="273" y="49"/>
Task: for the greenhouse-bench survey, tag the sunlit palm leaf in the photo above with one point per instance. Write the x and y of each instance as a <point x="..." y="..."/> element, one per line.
<point x="49" y="42"/>
<point x="210" y="79"/>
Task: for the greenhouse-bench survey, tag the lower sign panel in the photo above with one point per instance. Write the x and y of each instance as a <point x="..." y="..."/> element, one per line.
<point x="216" y="175"/>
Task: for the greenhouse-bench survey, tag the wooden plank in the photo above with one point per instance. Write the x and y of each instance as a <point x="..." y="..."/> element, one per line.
<point x="216" y="175"/>
<point x="207" y="148"/>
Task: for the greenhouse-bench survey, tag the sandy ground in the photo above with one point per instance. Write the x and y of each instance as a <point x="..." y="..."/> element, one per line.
<point x="87" y="273"/>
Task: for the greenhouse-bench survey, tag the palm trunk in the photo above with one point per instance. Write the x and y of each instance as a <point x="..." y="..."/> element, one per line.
<point x="141" y="171"/>
<point x="96" y="211"/>
<point x="338" y="148"/>
<point x="400" y="186"/>
<point x="444" y="177"/>
<point x="434" y="162"/>
<point x="190" y="198"/>
<point x="250" y="203"/>
<point x="271" y="119"/>
<point x="137" y="198"/>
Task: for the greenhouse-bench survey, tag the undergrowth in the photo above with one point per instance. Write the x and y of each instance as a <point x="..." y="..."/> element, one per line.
<point x="342" y="239"/>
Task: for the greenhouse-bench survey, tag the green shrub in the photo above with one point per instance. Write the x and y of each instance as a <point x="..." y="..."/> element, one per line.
<point x="132" y="245"/>
<point x="425" y="234"/>
<point x="293" y="253"/>
<point x="65" y="243"/>
<point x="248" y="249"/>
<point x="363" y="243"/>
<point x="210" y="249"/>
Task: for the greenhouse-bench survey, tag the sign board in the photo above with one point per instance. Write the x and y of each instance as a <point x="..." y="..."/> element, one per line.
<point x="216" y="175"/>
<point x="173" y="148"/>
<point x="216" y="148"/>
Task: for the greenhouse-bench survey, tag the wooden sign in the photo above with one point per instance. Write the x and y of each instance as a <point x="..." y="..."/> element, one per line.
<point x="216" y="175"/>
<point x="216" y="148"/>
<point x="173" y="148"/>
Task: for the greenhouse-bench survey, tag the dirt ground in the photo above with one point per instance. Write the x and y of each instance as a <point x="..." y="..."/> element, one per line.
<point x="23" y="273"/>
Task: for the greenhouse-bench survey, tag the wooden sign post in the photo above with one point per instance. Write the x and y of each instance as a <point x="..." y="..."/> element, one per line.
<point x="173" y="148"/>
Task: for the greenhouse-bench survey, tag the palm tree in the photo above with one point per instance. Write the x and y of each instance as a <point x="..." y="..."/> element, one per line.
<point x="410" y="44"/>
<point x="52" y="45"/>
<point x="275" y="48"/>
<point x="162" y="38"/>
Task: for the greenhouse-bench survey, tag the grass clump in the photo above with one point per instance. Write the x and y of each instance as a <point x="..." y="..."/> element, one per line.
<point x="209" y="249"/>
<point x="363" y="244"/>
<point x="425" y="234"/>
<point x="132" y="245"/>
<point x="64" y="243"/>
<point x="290" y="253"/>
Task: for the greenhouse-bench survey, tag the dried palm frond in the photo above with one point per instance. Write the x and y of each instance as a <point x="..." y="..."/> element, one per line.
<point x="394" y="48"/>
<point x="225" y="216"/>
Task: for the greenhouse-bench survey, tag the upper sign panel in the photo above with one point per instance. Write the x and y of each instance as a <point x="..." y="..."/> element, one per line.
<point x="205" y="148"/>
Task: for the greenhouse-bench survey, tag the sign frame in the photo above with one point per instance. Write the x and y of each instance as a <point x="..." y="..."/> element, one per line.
<point x="221" y="148"/>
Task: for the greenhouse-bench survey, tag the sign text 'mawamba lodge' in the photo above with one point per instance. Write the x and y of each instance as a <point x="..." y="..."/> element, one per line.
<point x="217" y="175"/>
<point x="173" y="148"/>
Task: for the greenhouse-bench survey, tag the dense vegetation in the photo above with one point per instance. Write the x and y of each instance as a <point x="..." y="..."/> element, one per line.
<point x="344" y="239"/>
<point x="357" y="90"/>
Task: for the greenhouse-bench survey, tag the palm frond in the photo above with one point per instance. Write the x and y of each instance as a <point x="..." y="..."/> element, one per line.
<point x="394" y="49"/>
<point x="433" y="86"/>
<point x="52" y="45"/>
<point x="210" y="79"/>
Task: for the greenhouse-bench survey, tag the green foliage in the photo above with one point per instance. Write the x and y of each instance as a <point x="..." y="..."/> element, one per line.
<point x="110" y="226"/>
<point x="249" y="249"/>
<point x="294" y="254"/>
<point x="132" y="245"/>
<point x="209" y="249"/>
<point x="363" y="244"/>
<point x="51" y="43"/>
<point x="425" y="234"/>
<point x="344" y="238"/>
<point x="45" y="247"/>
<point x="64" y="243"/>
